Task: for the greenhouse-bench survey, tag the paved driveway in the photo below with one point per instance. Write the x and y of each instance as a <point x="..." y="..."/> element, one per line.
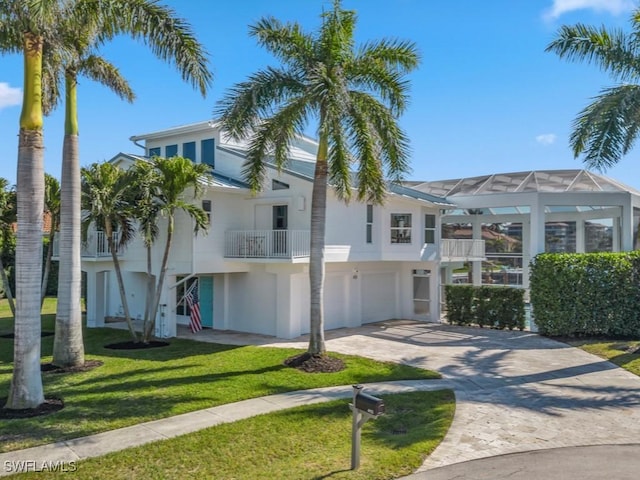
<point x="516" y="391"/>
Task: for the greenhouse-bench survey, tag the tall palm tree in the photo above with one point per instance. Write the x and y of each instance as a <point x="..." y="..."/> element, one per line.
<point x="7" y="222"/>
<point x="106" y="202"/>
<point x="608" y="127"/>
<point x="179" y="181"/>
<point x="52" y="209"/>
<point x="93" y="23"/>
<point x="354" y="94"/>
<point x="24" y="25"/>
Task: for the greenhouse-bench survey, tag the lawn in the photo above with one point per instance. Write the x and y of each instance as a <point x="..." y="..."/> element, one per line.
<point x="139" y="385"/>
<point x="616" y="351"/>
<point x="307" y="442"/>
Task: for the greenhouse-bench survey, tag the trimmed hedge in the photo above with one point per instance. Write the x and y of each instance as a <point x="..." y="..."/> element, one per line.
<point x="586" y="293"/>
<point x="495" y="307"/>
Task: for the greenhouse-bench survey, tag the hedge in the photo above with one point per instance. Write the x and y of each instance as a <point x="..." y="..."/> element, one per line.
<point x="495" y="307"/>
<point x="583" y="294"/>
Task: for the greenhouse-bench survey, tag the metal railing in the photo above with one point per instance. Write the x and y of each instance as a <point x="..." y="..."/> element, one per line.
<point x="466" y="249"/>
<point x="95" y="246"/>
<point x="267" y="243"/>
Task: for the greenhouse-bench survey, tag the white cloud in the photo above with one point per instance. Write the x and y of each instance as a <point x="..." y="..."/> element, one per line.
<point x="546" y="138"/>
<point x="9" y="96"/>
<point x="614" y="7"/>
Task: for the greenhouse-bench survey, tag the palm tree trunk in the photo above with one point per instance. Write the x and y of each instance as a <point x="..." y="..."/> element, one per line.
<point x="7" y="288"/>
<point x="68" y="346"/>
<point x="123" y="296"/>
<point x="47" y="265"/>
<point x="149" y="296"/>
<point x="163" y="272"/>
<point x="26" y="389"/>
<point x="316" y="254"/>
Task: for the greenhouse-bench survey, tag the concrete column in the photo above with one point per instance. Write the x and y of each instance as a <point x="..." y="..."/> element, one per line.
<point x="477" y="265"/>
<point x="285" y="328"/>
<point x="615" y="234"/>
<point x="580" y="236"/>
<point x="627" y="226"/>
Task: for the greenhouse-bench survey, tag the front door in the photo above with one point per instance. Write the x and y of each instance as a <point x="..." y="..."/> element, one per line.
<point x="279" y="225"/>
<point x="206" y="301"/>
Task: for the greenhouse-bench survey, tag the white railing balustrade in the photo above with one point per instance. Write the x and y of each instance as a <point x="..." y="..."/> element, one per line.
<point x="267" y="243"/>
<point x="466" y="249"/>
<point x="95" y="246"/>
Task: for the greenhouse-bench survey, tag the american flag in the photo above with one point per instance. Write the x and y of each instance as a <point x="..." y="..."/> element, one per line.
<point x="194" y="305"/>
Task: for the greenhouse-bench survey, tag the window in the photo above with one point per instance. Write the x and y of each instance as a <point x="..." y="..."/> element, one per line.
<point x="189" y="151"/>
<point x="154" y="152"/>
<point x="206" y="206"/>
<point x="421" y="291"/>
<point x="170" y="151"/>
<point x="369" y="223"/>
<point x="278" y="185"/>
<point x="429" y="228"/>
<point x="181" y="290"/>
<point x="208" y="152"/>
<point x="400" y="228"/>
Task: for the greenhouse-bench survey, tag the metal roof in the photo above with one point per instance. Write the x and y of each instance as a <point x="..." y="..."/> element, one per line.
<point x="524" y="182"/>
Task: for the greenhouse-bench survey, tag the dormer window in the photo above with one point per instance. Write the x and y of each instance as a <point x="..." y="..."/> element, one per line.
<point x="278" y="185"/>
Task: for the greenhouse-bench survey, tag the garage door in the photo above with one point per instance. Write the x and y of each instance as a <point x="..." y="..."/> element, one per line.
<point x="378" y="296"/>
<point x="335" y="301"/>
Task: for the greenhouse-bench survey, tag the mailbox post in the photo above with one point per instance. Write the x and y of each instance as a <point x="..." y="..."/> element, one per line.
<point x="364" y="407"/>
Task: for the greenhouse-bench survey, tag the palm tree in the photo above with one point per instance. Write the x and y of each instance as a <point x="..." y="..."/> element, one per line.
<point x="105" y="201"/>
<point x="174" y="178"/>
<point x="7" y="222"/>
<point x="24" y="25"/>
<point x="608" y="127"/>
<point x="92" y="24"/>
<point x="355" y="95"/>
<point x="52" y="209"/>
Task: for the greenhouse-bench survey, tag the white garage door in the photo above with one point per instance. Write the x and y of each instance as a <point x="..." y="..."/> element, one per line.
<point x="378" y="296"/>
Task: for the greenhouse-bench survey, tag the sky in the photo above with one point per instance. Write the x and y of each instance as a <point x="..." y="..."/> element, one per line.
<point x="486" y="97"/>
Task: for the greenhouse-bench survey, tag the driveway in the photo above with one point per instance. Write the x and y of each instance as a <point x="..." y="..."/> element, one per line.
<point x="515" y="391"/>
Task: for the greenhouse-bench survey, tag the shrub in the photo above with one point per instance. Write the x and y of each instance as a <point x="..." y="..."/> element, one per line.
<point x="495" y="307"/>
<point x="586" y="293"/>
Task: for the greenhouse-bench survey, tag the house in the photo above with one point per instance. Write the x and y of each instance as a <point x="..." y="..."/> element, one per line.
<point x="382" y="262"/>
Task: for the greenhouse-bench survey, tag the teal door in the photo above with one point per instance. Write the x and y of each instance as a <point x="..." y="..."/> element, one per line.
<point x="206" y="301"/>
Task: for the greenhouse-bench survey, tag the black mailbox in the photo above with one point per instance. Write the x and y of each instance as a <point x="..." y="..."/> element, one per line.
<point x="369" y="404"/>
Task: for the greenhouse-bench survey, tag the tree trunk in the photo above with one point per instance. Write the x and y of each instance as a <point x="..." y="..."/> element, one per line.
<point x="163" y="272"/>
<point x="316" y="254"/>
<point x="68" y="346"/>
<point x="123" y="296"/>
<point x="47" y="265"/>
<point x="149" y="297"/>
<point x="26" y="389"/>
<point x="7" y="288"/>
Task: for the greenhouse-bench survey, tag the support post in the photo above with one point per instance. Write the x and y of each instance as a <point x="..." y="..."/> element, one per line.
<point x="355" y="430"/>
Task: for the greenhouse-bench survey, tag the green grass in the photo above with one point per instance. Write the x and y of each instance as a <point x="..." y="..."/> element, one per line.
<point x="139" y="385"/>
<point x="615" y="351"/>
<point x="308" y="442"/>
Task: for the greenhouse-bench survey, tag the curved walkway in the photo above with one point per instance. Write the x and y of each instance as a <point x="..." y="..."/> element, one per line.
<point x="515" y="392"/>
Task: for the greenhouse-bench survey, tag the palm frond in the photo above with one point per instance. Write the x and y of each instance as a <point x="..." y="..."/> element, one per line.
<point x="608" y="127"/>
<point x="612" y="51"/>
<point x="287" y="42"/>
<point x="102" y="71"/>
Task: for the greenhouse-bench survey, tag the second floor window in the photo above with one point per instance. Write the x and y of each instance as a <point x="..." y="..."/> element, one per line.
<point x="400" y="228"/>
<point x="429" y="228"/>
<point x="369" y="223"/>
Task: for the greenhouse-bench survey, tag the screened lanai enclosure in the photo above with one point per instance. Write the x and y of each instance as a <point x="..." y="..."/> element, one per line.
<point x="521" y="214"/>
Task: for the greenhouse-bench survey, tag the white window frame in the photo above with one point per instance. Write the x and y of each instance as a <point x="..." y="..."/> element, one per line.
<point x="401" y="225"/>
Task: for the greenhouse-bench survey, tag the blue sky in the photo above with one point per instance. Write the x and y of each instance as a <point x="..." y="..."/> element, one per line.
<point x="486" y="98"/>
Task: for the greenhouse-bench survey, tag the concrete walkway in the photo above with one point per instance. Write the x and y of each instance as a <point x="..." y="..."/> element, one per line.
<point x="515" y="392"/>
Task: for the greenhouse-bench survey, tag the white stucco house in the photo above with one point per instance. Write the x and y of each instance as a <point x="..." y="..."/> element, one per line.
<point x="382" y="262"/>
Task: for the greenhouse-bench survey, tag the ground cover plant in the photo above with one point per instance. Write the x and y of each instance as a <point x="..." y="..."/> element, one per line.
<point x="134" y="386"/>
<point x="307" y="442"/>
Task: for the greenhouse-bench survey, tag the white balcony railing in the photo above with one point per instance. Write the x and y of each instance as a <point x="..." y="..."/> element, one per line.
<point x="267" y="244"/>
<point x="96" y="245"/>
<point x="461" y="249"/>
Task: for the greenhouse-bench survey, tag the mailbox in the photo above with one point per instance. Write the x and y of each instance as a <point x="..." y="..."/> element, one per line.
<point x="369" y="404"/>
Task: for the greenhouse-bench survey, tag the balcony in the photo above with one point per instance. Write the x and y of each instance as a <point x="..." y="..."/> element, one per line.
<point x="96" y="245"/>
<point x="461" y="250"/>
<point x="275" y="244"/>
